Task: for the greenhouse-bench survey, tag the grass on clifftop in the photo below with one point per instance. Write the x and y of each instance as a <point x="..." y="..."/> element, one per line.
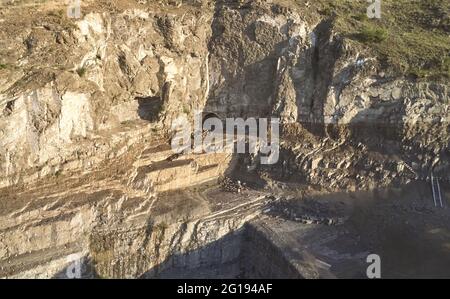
<point x="411" y="38"/>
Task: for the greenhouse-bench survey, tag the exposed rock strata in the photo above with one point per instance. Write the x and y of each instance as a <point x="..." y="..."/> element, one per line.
<point x="86" y="169"/>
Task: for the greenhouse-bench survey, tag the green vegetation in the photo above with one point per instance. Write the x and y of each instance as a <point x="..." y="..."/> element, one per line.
<point x="371" y="34"/>
<point x="3" y="66"/>
<point x="186" y="109"/>
<point x="162" y="226"/>
<point x="411" y="38"/>
<point x="57" y="13"/>
<point x="81" y="71"/>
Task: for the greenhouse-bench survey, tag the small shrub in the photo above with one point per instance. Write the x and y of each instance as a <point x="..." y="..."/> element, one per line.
<point x="418" y="73"/>
<point x="372" y="35"/>
<point x="446" y="64"/>
<point x="161" y="226"/>
<point x="327" y="11"/>
<point x="81" y="71"/>
<point x="56" y="13"/>
<point x="186" y="109"/>
<point x="361" y="17"/>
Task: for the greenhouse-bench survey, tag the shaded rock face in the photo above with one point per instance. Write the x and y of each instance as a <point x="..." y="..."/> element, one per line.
<point x="86" y="167"/>
<point x="265" y="62"/>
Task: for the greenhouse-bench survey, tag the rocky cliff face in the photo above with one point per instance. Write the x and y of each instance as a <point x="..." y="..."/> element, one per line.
<point x="87" y="104"/>
<point x="78" y="84"/>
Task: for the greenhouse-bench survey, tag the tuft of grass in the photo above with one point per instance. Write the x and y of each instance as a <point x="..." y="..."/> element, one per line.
<point x="3" y="66"/>
<point x="446" y="64"/>
<point x="327" y="11"/>
<point x="161" y="226"/>
<point x="372" y="34"/>
<point x="362" y="17"/>
<point x="81" y="71"/>
<point x="186" y="109"/>
<point x="56" y="13"/>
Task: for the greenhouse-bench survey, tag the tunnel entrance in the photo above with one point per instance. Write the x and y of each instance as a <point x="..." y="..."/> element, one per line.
<point x="209" y="115"/>
<point x="149" y="108"/>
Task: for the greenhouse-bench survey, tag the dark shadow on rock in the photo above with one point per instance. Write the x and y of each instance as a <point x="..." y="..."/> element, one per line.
<point x="380" y="134"/>
<point x="401" y="225"/>
<point x="218" y="259"/>
<point x="234" y="256"/>
<point x="251" y="77"/>
<point x="324" y="54"/>
<point x="248" y="81"/>
<point x="149" y="108"/>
